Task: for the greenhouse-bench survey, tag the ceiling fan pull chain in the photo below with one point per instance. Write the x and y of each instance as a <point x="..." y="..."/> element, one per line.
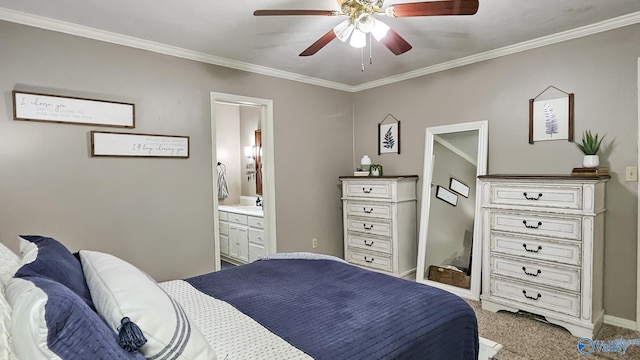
<point x="370" y="50"/>
<point x="362" y="59"/>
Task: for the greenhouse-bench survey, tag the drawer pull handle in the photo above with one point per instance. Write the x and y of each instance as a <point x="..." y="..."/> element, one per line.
<point x="531" y="226"/>
<point x="367" y="260"/>
<point x="531" y="197"/>
<point x="367" y="228"/>
<point x="369" y="244"/>
<point x="368" y="211"/>
<point x="531" y="274"/>
<point x="367" y="191"/>
<point x="531" y="297"/>
<point x="532" y="250"/>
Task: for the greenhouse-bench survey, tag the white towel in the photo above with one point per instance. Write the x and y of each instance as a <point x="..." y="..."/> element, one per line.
<point x="223" y="188"/>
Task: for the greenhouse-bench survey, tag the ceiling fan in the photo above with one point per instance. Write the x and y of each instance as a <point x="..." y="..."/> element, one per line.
<point x="361" y="20"/>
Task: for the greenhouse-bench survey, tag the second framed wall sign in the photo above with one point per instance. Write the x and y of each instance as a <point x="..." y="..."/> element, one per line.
<point x="138" y="145"/>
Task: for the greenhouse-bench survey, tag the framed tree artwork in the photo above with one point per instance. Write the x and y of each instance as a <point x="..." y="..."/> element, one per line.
<point x="551" y="118"/>
<point x="389" y="136"/>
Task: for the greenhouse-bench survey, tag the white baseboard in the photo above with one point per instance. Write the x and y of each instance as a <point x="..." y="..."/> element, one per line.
<point x="624" y="323"/>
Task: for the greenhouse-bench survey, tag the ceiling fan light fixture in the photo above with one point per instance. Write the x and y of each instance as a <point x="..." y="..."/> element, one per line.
<point x="365" y="23"/>
<point x="380" y="30"/>
<point x="358" y="39"/>
<point x="343" y="30"/>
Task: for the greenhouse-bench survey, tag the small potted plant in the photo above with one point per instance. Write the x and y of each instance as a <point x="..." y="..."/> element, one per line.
<point x="589" y="147"/>
<point x="376" y="170"/>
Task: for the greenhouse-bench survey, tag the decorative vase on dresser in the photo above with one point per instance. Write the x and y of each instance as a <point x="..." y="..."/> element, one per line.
<point x="543" y="243"/>
<point x="380" y="225"/>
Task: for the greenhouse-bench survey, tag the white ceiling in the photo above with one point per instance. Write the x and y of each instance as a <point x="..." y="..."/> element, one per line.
<point x="227" y="33"/>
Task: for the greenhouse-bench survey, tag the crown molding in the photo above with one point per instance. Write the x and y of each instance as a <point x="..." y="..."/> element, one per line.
<point x="602" y="26"/>
<point x="119" y="39"/>
<point x="114" y="38"/>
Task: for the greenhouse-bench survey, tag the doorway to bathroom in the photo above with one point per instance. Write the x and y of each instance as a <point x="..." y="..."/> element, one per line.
<point x="240" y="160"/>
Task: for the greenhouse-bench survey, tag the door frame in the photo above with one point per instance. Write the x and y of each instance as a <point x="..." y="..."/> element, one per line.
<point x="638" y="234"/>
<point x="268" y="167"/>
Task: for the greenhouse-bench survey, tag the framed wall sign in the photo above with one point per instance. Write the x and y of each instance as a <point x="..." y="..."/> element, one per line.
<point x="72" y="110"/>
<point x="138" y="145"/>
<point x="459" y="187"/>
<point x="446" y="195"/>
<point x="389" y="136"/>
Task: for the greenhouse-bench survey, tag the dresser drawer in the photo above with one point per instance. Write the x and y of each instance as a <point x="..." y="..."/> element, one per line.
<point x="563" y="197"/>
<point x="255" y="221"/>
<point x="565" y="303"/>
<point x="568" y="227"/>
<point x="224" y="228"/>
<point x="369" y="226"/>
<point x="237" y="218"/>
<point x="562" y="277"/>
<point x="376" y="261"/>
<point x="369" y="209"/>
<point x="534" y="248"/>
<point x="223" y="215"/>
<point x="365" y="189"/>
<point x="374" y="244"/>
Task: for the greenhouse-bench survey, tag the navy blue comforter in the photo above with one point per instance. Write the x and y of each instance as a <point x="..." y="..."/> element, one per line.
<point x="332" y="310"/>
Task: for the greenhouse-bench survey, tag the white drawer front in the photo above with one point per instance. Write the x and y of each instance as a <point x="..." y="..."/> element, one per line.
<point x="376" y="261"/>
<point x="256" y="251"/>
<point x="224" y="228"/>
<point x="564" y="197"/>
<point x="377" y="190"/>
<point x="561" y="277"/>
<point x="568" y="227"/>
<point x="237" y="218"/>
<point x="378" y="210"/>
<point x="256" y="222"/>
<point x="565" y="303"/>
<point x="370" y="226"/>
<point x="256" y="236"/>
<point x="370" y="243"/>
<point x="222" y="215"/>
<point x="565" y="252"/>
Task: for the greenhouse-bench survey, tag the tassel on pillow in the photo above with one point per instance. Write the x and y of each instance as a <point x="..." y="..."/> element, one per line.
<point x="130" y="335"/>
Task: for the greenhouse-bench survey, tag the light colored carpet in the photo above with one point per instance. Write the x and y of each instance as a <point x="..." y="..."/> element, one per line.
<point x="525" y="338"/>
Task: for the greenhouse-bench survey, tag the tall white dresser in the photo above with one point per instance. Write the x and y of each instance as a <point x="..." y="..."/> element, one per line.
<point x="543" y="242"/>
<point x="380" y="226"/>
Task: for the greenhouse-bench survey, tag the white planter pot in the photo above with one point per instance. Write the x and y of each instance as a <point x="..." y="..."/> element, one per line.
<point x="591" y="161"/>
<point x="375" y="172"/>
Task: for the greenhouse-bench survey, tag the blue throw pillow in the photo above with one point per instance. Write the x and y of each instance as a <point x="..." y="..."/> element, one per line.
<point x="70" y="330"/>
<point x="54" y="261"/>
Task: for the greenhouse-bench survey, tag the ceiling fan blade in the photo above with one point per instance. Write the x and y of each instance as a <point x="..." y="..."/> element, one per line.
<point x="295" y="12"/>
<point x="394" y="42"/>
<point x="319" y="44"/>
<point x="434" y="8"/>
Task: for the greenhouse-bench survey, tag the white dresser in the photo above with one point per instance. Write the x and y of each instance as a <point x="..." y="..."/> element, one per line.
<point x="379" y="217"/>
<point x="543" y="242"/>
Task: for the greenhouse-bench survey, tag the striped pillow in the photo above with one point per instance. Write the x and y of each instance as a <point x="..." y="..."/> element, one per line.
<point x="119" y="290"/>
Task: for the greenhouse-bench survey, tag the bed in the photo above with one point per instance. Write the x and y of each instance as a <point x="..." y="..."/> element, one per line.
<point x="286" y="306"/>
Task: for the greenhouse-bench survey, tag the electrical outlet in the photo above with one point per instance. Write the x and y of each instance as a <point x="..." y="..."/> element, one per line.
<point x="631" y="173"/>
<point x="314" y="243"/>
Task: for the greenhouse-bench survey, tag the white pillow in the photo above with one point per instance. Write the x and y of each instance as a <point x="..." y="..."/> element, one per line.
<point x="9" y="264"/>
<point x="6" y="347"/>
<point x="119" y="290"/>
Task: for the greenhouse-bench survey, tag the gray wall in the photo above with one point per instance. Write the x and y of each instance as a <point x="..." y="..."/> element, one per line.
<point x="602" y="72"/>
<point x="156" y="213"/>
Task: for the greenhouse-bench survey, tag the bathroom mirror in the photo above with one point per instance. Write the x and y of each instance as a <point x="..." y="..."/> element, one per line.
<point x="258" y="161"/>
<point x="450" y="242"/>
